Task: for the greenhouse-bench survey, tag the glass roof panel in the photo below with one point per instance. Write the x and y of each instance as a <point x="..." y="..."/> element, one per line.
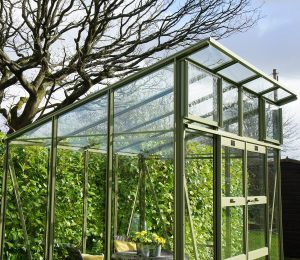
<point x="40" y="135"/>
<point x="259" y="85"/>
<point x="277" y="95"/>
<point x="210" y="57"/>
<point x="84" y="119"/>
<point x="160" y="143"/>
<point x="86" y="142"/>
<point x="236" y="72"/>
<point x="42" y="131"/>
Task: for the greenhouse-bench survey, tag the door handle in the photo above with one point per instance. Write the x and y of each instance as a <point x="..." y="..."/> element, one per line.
<point x="254" y="200"/>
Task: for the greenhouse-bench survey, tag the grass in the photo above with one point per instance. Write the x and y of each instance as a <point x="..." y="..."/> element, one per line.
<point x="256" y="241"/>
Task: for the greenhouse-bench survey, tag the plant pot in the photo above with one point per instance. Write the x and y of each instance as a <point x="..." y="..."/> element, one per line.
<point x="138" y="249"/>
<point x="145" y="250"/>
<point x="155" y="250"/>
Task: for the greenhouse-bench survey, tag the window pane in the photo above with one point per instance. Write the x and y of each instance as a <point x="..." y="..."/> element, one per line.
<point x="230" y="108"/>
<point x="251" y="118"/>
<point x="202" y="93"/>
<point x="199" y="196"/>
<point x="272" y="121"/>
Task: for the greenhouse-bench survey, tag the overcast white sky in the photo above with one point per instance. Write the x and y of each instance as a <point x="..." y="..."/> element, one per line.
<point x="275" y="43"/>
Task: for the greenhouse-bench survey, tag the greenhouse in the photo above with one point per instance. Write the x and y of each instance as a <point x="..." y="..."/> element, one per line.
<point x="187" y="148"/>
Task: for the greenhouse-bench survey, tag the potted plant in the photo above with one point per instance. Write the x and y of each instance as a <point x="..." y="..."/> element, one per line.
<point x="148" y="243"/>
<point x="143" y="241"/>
<point x="157" y="243"/>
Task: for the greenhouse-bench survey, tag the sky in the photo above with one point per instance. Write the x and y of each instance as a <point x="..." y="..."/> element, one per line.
<point x="273" y="43"/>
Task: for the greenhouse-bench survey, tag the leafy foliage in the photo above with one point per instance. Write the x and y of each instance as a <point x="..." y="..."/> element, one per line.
<point x="31" y="168"/>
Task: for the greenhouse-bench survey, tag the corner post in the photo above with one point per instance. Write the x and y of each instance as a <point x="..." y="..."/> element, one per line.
<point x="281" y="253"/>
<point x="85" y="199"/>
<point x="4" y="199"/>
<point x="109" y="172"/>
<point x="51" y="192"/>
<point x="180" y="83"/>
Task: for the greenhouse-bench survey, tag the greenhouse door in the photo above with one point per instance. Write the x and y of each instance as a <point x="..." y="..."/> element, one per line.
<point x="244" y="200"/>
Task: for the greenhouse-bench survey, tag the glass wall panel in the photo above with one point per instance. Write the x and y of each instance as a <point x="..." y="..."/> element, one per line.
<point x="80" y="180"/>
<point x="69" y="203"/>
<point x="97" y="162"/>
<point x="251" y="115"/>
<point x="230" y="108"/>
<point x="272" y="121"/>
<point x="202" y="93"/>
<point x="14" y="244"/>
<point x="274" y="231"/>
<point x="199" y="233"/>
<point x="143" y="159"/>
<point x="26" y="214"/>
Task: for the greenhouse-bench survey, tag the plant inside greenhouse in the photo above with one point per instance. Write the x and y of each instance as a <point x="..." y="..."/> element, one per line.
<point x="183" y="155"/>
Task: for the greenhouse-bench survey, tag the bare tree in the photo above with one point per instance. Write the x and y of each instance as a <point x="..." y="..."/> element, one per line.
<point x="290" y="135"/>
<point x="52" y="52"/>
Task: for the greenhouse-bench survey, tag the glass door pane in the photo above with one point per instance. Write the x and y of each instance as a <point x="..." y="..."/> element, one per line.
<point x="233" y="199"/>
<point x="256" y="201"/>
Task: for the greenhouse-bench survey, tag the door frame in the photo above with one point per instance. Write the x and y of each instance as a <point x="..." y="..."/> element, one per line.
<point x="218" y="135"/>
<point x="246" y="200"/>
